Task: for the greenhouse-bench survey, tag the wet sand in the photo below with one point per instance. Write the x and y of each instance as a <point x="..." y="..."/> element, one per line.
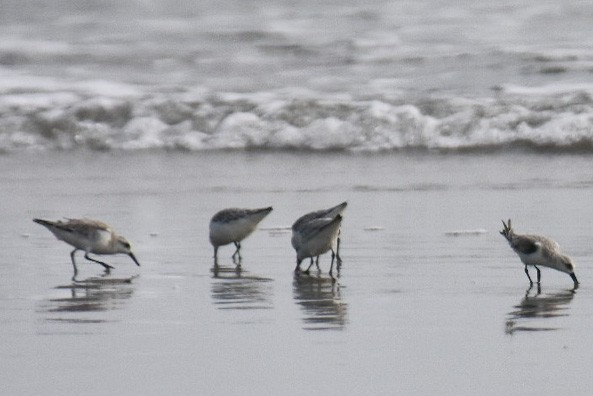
<point x="420" y="305"/>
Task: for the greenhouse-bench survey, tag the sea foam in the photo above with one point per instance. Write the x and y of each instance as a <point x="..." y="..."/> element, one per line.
<point x="99" y="117"/>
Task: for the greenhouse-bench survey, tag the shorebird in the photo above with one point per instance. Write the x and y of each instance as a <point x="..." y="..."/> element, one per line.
<point x="232" y="226"/>
<point x="538" y="250"/>
<point x="90" y="236"/>
<point x="319" y="214"/>
<point x="316" y="237"/>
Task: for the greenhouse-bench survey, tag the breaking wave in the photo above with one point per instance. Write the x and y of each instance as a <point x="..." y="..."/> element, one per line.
<point x="99" y="116"/>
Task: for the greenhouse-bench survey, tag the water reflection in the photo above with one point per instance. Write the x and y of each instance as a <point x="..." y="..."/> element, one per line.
<point x="536" y="308"/>
<point x="234" y="288"/>
<point x="321" y="301"/>
<point x="92" y="295"/>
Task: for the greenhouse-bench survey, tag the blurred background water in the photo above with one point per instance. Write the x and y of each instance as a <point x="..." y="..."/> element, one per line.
<point x="304" y="75"/>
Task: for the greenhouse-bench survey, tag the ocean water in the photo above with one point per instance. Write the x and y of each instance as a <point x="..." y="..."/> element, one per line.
<point x="434" y="120"/>
<point x="298" y="75"/>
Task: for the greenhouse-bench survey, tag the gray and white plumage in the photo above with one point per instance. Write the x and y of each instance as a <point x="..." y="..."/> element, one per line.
<point x="330" y="213"/>
<point x="90" y="236"/>
<point x="232" y="225"/>
<point x="316" y="237"/>
<point x="537" y="250"/>
<point x="320" y="214"/>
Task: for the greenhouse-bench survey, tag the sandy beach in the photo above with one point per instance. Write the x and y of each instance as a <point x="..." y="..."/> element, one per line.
<point x="430" y="298"/>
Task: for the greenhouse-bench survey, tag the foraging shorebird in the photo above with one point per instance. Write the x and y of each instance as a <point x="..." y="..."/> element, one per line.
<point x="315" y="238"/>
<point x="90" y="236"/>
<point x="330" y="213"/>
<point x="538" y="250"/>
<point x="232" y="226"/>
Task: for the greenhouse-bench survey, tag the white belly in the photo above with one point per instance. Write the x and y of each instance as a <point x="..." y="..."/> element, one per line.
<point x="236" y="231"/>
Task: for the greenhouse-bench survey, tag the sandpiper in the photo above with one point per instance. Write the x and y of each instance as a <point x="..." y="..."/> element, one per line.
<point x="90" y="236"/>
<point x="538" y="250"/>
<point x="232" y="226"/>
<point x="319" y="214"/>
<point x="316" y="237"/>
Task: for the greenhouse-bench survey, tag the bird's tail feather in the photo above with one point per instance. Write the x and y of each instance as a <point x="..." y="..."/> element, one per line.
<point x="507" y="231"/>
<point x="46" y="223"/>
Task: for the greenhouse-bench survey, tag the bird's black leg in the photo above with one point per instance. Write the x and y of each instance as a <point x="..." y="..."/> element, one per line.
<point x="310" y="265"/>
<point x="528" y="277"/>
<point x="215" y="256"/>
<point x="338" y="252"/>
<point x="539" y="274"/>
<point x="298" y="267"/>
<point x="331" y="267"/>
<point x="338" y="259"/>
<point x="105" y="265"/>
<point x="237" y="252"/>
<point x="74" y="263"/>
<point x="317" y="263"/>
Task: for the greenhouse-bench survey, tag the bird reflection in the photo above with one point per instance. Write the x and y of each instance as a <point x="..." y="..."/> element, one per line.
<point x="321" y="301"/>
<point x="94" y="294"/>
<point x="536" y="308"/>
<point x="234" y="288"/>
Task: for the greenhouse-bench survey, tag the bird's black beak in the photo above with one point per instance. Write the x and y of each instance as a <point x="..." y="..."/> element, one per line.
<point x="134" y="258"/>
<point x="574" y="278"/>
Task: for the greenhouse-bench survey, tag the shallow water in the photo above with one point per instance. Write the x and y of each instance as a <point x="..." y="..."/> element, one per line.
<point x="413" y="310"/>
